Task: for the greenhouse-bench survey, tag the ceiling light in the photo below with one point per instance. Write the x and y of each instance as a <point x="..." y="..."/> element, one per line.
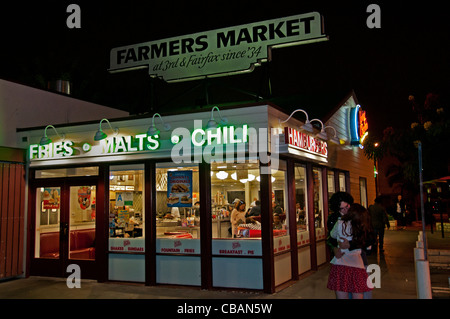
<point x="222" y="175"/>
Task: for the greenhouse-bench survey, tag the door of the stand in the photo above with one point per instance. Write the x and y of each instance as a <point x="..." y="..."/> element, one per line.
<point x="64" y="229"/>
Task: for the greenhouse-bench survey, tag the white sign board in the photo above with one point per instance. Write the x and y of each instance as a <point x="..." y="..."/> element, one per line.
<point x="218" y="52"/>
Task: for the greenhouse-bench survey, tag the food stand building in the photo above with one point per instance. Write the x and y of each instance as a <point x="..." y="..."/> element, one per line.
<point x="148" y="199"/>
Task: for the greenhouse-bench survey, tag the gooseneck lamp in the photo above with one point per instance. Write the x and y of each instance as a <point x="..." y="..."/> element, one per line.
<point x="213" y="123"/>
<point x="100" y="135"/>
<point x="45" y="140"/>
<point x="324" y="135"/>
<point x="307" y="126"/>
<point x="153" y="130"/>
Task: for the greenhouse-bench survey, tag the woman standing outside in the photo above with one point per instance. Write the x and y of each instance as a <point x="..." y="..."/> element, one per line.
<point x="348" y="274"/>
<point x="237" y="217"/>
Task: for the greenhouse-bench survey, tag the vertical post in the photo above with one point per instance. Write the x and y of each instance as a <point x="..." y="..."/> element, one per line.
<point x="150" y="222"/>
<point x="267" y="232"/>
<point x="205" y="225"/>
<point x="421" y="200"/>
<point x="102" y="223"/>
<point x="292" y="217"/>
<point x="311" y="226"/>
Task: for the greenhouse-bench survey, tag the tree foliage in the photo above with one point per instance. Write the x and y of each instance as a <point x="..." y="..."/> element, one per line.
<point x="431" y="128"/>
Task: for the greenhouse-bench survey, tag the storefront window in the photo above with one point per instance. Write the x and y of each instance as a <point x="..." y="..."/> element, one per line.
<point x="280" y="207"/>
<point x="126" y="211"/>
<point x="48" y="207"/>
<point x="331" y="186"/>
<point x="236" y="208"/>
<point x="342" y="184"/>
<point x="235" y="187"/>
<point x="82" y="208"/>
<point x="236" y="236"/>
<point x="281" y="237"/>
<point x="177" y="209"/>
<point x="363" y="191"/>
<point x="301" y="204"/>
<point x="318" y="203"/>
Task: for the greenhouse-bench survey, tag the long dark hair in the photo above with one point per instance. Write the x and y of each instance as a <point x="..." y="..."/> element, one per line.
<point x="238" y="204"/>
<point x="337" y="198"/>
<point x="361" y="225"/>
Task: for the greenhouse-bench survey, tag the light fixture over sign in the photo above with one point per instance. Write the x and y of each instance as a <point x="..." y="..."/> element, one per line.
<point x="153" y="130"/>
<point x="306" y="127"/>
<point x="100" y="135"/>
<point x="45" y="140"/>
<point x="213" y="123"/>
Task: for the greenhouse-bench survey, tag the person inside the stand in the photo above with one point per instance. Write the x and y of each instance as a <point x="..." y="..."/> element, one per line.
<point x="256" y="210"/>
<point x="174" y="213"/>
<point x="197" y="209"/>
<point x="300" y="213"/>
<point x="276" y="208"/>
<point x="277" y="221"/>
<point x="237" y="217"/>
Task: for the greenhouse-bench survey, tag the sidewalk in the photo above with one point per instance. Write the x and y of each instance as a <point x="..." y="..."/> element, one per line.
<point x="397" y="280"/>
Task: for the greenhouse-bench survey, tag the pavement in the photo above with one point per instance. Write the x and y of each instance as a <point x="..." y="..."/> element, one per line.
<point x="398" y="281"/>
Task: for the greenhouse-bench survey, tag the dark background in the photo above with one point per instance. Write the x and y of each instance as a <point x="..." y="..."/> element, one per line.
<point x="409" y="55"/>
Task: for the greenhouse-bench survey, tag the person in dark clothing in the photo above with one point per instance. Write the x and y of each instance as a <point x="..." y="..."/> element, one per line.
<point x="276" y="209"/>
<point x="379" y="219"/>
<point x="255" y="210"/>
<point x="401" y="212"/>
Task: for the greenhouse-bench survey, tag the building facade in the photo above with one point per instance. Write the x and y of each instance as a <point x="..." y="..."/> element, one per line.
<point x="163" y="199"/>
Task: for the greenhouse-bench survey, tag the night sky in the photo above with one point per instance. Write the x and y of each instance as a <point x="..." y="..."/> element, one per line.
<point x="408" y="55"/>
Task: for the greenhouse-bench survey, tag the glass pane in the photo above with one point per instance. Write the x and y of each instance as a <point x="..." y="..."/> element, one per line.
<point x="363" y="191"/>
<point x="301" y="204"/>
<point x="318" y="202"/>
<point x="48" y="207"/>
<point x="279" y="201"/>
<point x="331" y="188"/>
<point x="67" y="172"/>
<point x="177" y="209"/>
<point x="235" y="203"/>
<point x="127" y="215"/>
<point x="342" y="186"/>
<point x="280" y="210"/>
<point x="82" y="222"/>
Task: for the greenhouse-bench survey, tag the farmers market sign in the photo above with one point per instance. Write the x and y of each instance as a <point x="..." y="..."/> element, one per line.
<point x="218" y="52"/>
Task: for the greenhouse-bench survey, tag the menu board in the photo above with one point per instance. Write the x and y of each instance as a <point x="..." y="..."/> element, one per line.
<point x="179" y="188"/>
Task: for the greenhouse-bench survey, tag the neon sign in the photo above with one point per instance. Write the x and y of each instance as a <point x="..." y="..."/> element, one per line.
<point x="110" y="145"/>
<point x="136" y="144"/>
<point x="358" y="125"/>
<point x="305" y="142"/>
